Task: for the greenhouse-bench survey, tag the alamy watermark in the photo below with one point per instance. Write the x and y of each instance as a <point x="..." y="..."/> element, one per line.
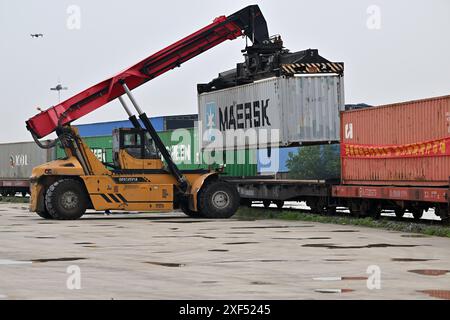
<point x="374" y="17"/>
<point x="374" y="279"/>
<point x="210" y="146"/>
<point x="73" y="21"/>
<point x="73" y="281"/>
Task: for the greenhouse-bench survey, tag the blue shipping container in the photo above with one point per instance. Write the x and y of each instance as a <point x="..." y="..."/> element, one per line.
<point x="106" y="128"/>
<point x="276" y="163"/>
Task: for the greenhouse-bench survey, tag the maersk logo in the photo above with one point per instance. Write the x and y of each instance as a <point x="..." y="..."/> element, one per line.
<point x="210" y="115"/>
<point x="210" y="120"/>
<point x="252" y="114"/>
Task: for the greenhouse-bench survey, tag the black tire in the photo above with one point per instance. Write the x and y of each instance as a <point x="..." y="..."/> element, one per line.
<point x="192" y="214"/>
<point x="267" y="203"/>
<point x="279" y="204"/>
<point x="218" y="200"/>
<point x="44" y="214"/>
<point x="66" y="200"/>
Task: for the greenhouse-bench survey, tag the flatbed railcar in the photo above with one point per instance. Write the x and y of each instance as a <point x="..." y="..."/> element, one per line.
<point x="325" y="197"/>
<point x="316" y="193"/>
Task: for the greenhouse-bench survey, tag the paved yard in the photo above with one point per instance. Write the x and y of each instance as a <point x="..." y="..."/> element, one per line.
<point x="171" y="256"/>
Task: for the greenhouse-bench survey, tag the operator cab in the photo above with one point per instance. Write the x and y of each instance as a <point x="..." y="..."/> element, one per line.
<point x="136" y="142"/>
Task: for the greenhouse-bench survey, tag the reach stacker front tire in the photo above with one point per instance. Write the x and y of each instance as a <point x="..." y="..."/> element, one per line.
<point x="66" y="200"/>
<point x="44" y="214"/>
<point x="192" y="214"/>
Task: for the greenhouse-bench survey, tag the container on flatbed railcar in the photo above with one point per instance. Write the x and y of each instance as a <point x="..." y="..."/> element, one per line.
<point x="303" y="109"/>
<point x="403" y="144"/>
<point x="16" y="163"/>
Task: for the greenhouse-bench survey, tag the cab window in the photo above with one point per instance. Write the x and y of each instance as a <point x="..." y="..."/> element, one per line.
<point x="132" y="140"/>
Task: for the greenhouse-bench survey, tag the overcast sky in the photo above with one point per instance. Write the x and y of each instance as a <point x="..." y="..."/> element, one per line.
<point x="398" y="50"/>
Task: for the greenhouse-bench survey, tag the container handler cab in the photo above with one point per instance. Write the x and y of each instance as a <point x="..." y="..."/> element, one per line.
<point x="139" y="181"/>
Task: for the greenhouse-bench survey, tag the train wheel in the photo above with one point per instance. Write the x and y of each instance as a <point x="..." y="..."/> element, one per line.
<point x="353" y="213"/>
<point x="266" y="203"/>
<point x="353" y="207"/>
<point x="314" y="208"/>
<point x="279" y="204"/>
<point x="369" y="209"/>
<point x="331" y="211"/>
<point x="364" y="209"/>
<point x="218" y="200"/>
<point x="66" y="200"/>
<point x="246" y="203"/>
<point x="416" y="212"/>
<point x="442" y="212"/>
<point x="376" y="212"/>
<point x="399" y="212"/>
<point x="445" y="219"/>
<point x="317" y="206"/>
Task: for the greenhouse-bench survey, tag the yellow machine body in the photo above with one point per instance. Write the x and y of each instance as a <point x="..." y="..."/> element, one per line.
<point x="139" y="184"/>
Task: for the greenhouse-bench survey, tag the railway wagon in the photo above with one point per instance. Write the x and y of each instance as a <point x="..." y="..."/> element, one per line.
<point x="16" y="162"/>
<point x="396" y="157"/>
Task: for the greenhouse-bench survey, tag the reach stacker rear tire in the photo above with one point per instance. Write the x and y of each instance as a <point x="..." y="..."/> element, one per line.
<point x="218" y="200"/>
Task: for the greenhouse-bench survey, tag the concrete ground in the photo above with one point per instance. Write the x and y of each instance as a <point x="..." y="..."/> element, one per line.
<point x="170" y="256"/>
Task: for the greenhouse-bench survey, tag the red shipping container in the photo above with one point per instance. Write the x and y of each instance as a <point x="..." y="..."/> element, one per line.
<point x="405" y="144"/>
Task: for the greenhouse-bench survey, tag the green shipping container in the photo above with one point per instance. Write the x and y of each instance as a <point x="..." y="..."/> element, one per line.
<point x="184" y="148"/>
<point x="100" y="146"/>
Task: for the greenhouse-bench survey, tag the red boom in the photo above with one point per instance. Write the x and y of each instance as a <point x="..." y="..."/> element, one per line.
<point x="98" y="95"/>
